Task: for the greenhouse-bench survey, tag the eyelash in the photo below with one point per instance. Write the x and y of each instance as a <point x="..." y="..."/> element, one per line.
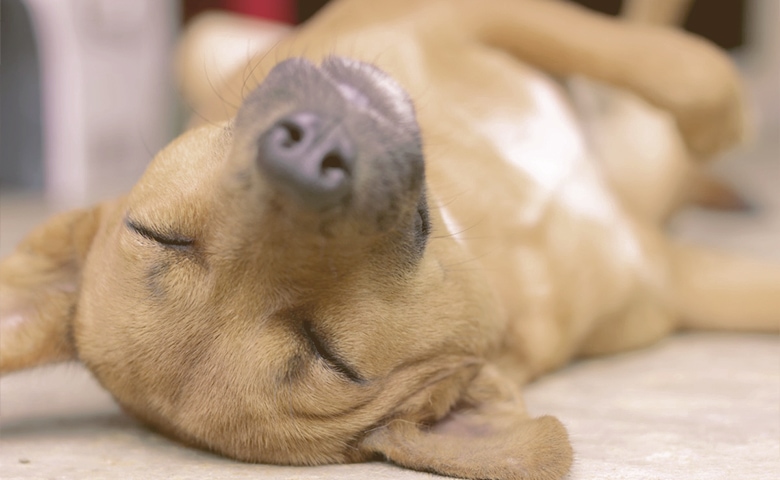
<point x="166" y="240"/>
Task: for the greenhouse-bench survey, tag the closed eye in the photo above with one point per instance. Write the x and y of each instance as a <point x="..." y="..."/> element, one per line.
<point x="171" y="240"/>
<point x="325" y="352"/>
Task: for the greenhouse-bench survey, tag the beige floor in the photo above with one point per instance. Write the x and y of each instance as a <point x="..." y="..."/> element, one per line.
<point x="696" y="406"/>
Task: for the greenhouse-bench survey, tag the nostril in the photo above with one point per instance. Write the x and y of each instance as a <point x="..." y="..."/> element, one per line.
<point x="293" y="134"/>
<point x="334" y="161"/>
<point x="310" y="155"/>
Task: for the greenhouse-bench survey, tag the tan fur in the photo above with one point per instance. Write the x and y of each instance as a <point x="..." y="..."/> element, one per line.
<point x="537" y="255"/>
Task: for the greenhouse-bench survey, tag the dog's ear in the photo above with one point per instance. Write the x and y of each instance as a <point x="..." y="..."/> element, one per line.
<point x="488" y="437"/>
<point x="39" y="288"/>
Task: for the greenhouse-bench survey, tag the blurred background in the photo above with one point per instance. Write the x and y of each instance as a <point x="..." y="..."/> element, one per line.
<point x="88" y="94"/>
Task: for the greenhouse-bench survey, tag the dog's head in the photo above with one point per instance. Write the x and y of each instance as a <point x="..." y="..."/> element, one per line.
<point x="272" y="290"/>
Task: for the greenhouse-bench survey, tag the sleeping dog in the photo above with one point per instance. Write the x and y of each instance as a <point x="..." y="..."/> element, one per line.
<point x="409" y="210"/>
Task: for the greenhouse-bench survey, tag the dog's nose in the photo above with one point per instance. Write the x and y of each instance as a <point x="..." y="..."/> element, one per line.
<point x="310" y="155"/>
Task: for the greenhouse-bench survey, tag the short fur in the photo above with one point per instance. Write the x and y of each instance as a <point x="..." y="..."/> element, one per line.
<point x="223" y="310"/>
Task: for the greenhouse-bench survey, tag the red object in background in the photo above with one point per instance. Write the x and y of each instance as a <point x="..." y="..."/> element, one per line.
<point x="279" y="10"/>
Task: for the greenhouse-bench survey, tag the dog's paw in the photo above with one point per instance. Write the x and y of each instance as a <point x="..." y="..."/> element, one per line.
<point x="703" y="90"/>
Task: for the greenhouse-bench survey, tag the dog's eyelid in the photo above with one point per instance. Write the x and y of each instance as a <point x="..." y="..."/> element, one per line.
<point x="324" y="351"/>
<point x="167" y="239"/>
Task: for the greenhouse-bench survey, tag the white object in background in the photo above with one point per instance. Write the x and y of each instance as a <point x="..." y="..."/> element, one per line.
<point x="763" y="39"/>
<point x="107" y="101"/>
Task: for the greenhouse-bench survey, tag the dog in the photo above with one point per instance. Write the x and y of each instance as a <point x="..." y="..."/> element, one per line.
<point x="410" y="210"/>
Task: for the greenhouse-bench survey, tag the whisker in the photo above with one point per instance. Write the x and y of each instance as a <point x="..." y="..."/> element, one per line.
<point x="218" y="93"/>
<point x="468" y="260"/>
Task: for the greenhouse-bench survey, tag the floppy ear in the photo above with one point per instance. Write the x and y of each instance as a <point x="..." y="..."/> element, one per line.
<point x="488" y="437"/>
<point x="39" y="288"/>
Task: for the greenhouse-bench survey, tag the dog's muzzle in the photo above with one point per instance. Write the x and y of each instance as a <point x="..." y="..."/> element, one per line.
<point x="342" y="134"/>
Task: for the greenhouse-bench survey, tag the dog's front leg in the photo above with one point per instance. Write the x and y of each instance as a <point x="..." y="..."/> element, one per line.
<point x="718" y="291"/>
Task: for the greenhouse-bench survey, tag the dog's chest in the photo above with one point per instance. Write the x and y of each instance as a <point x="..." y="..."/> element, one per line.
<point x="524" y="193"/>
<point x="522" y="141"/>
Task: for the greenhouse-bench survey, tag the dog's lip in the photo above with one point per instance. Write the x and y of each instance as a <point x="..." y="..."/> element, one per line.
<point x="368" y="88"/>
<point x="354" y="96"/>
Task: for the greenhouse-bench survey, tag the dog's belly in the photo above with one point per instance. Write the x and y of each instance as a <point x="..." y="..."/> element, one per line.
<point x="520" y="189"/>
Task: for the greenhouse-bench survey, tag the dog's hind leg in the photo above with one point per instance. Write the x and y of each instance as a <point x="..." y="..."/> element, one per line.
<point x="656" y="12"/>
<point x="719" y="291"/>
<point x="704" y="189"/>
<point x="676" y="72"/>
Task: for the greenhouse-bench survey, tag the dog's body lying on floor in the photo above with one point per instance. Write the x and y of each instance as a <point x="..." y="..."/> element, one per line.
<point x="362" y="263"/>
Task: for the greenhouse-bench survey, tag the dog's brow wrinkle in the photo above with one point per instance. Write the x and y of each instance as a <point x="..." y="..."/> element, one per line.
<point x="244" y="179"/>
<point x="295" y="369"/>
<point x="154" y="280"/>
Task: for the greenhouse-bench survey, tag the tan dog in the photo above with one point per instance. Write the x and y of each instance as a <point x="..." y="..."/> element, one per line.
<point x="382" y="246"/>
